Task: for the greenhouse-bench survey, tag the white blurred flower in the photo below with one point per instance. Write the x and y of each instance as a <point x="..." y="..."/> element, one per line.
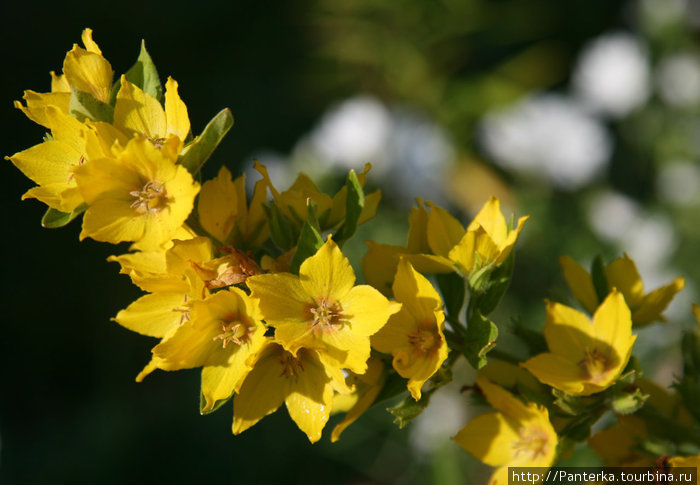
<point x="612" y="75"/>
<point x="678" y="79"/>
<point x="354" y="132"/>
<point x="649" y="239"/>
<point x="678" y="183"/>
<point x="548" y="134"/>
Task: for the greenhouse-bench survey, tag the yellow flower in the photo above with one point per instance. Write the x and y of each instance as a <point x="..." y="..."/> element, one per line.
<point x="623" y="275"/>
<point x="438" y="243"/>
<point x="303" y="381"/>
<point x="225" y="214"/>
<point x="142" y="195"/>
<point x="486" y="241"/>
<point x="139" y="113"/>
<point x="414" y="335"/>
<point x="171" y="282"/>
<point x="518" y="434"/>
<point x="222" y="335"/>
<point x="584" y="357"/>
<point x="322" y="309"/>
<point x="51" y="164"/>
<point x="331" y="211"/>
<point x="366" y="387"/>
<point x="686" y="462"/>
<point x="84" y="69"/>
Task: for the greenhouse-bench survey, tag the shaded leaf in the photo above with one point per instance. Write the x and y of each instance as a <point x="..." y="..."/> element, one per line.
<point x="479" y="338"/>
<point x="145" y="75"/>
<point x="452" y="288"/>
<point x="195" y="154"/>
<point x="84" y="106"/>
<point x="354" y="204"/>
<point x="54" y="218"/>
<point x="309" y="239"/>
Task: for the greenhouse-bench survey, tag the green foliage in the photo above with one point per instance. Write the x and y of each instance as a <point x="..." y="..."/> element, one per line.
<point x="54" y="219"/>
<point x="310" y="239"/>
<point x="84" y="106"/>
<point x="145" y="75"/>
<point x="195" y="154"/>
<point x="354" y="204"/>
<point x="480" y="338"/>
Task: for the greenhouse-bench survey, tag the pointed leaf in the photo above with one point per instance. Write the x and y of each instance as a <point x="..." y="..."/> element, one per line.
<point x="54" y="218"/>
<point x="353" y="209"/>
<point x="145" y="75"/>
<point x="452" y="288"/>
<point x="310" y="239"/>
<point x="196" y="153"/>
<point x="600" y="281"/>
<point x="480" y="337"/>
<point x="84" y="106"/>
<point x="409" y="408"/>
<point x="498" y="284"/>
<point x="282" y="230"/>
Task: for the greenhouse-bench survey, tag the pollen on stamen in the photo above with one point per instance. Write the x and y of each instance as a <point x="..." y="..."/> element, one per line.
<point x="152" y="198"/>
<point x="234" y="331"/>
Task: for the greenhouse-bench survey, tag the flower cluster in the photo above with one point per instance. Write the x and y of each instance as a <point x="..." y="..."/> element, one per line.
<point x="255" y="290"/>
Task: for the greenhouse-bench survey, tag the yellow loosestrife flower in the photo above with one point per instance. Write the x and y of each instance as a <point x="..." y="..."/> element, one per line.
<point x="172" y="283"/>
<point x="303" y="381"/>
<point x="623" y="275"/>
<point x="438" y="243"/>
<point x="331" y="211"/>
<point x="84" y="69"/>
<point x="225" y="214"/>
<point x="518" y="434"/>
<point x="222" y="335"/>
<point x="139" y="113"/>
<point x="584" y="356"/>
<point x="321" y="308"/>
<point x="414" y="335"/>
<point x="142" y="195"/>
<point x="365" y="389"/>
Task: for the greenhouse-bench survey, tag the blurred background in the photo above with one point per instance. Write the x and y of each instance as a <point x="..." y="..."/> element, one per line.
<point x="583" y="114"/>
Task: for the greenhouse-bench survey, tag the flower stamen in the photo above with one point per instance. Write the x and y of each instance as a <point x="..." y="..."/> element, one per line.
<point x="151" y="198"/>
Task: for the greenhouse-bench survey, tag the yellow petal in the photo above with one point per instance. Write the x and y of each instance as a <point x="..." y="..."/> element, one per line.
<point x="327" y="273"/>
<point x="654" y="303"/>
<point x="367" y="309"/>
<point x="489" y="438"/>
<point x="416" y="293"/>
<point x="463" y="254"/>
<point x="59" y="84"/>
<point x="217" y="205"/>
<point x="282" y="297"/>
<point x="88" y="72"/>
<point x="612" y="324"/>
<point x="263" y="390"/>
<point x="90" y="44"/>
<point x="152" y="314"/>
<point x="507" y="246"/>
<point x="444" y="231"/>
<point x="139" y="112"/>
<point x="492" y="220"/>
<point x="580" y="283"/>
<point x="50" y="162"/>
<point x="623" y="275"/>
<point x="418" y="229"/>
<point x="309" y="402"/>
<point x="556" y="371"/>
<point x="37" y="103"/>
<point x="175" y="111"/>
<point x="568" y="332"/>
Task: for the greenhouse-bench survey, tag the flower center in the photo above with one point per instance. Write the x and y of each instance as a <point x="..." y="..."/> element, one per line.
<point x="594" y="365"/>
<point x="291" y="367"/>
<point x="234" y="331"/>
<point x="158" y="142"/>
<point x="326" y="315"/>
<point x="533" y="442"/>
<point x="424" y="340"/>
<point x="151" y="198"/>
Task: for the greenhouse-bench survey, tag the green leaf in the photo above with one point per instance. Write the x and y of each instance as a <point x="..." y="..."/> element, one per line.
<point x="479" y="338"/>
<point x="309" y="239"/>
<point x="409" y="408"/>
<point x="354" y="204"/>
<point x="600" y="281"/>
<point x="282" y="231"/>
<point x="145" y="75"/>
<point x="196" y="153"/>
<point x="54" y="218"/>
<point x="217" y="404"/>
<point x="572" y="405"/>
<point x="689" y="386"/>
<point x="84" y="106"/>
<point x="393" y="386"/>
<point x="500" y="280"/>
<point x="452" y="288"/>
